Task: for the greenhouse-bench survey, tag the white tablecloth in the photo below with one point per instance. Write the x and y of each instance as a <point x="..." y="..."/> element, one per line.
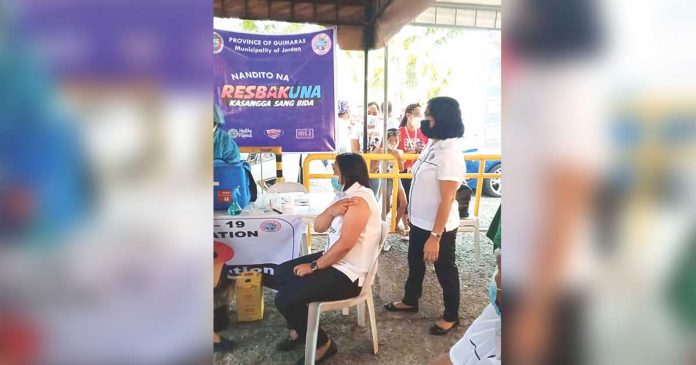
<point x="261" y="238"/>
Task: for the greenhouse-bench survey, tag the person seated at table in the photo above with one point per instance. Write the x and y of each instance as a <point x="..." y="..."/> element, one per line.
<point x="224" y="146"/>
<point x="480" y="344"/>
<point x="354" y="228"/>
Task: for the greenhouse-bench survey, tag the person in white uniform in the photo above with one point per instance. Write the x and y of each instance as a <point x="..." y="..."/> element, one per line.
<point x="343" y="133"/>
<point x="434" y="212"/>
<point x="354" y="225"/>
<point x="481" y="343"/>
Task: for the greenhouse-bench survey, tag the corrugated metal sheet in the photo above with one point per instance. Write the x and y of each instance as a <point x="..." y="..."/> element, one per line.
<point x="359" y="22"/>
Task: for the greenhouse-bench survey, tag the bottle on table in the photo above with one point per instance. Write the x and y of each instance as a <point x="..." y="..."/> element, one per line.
<point x="234" y="208"/>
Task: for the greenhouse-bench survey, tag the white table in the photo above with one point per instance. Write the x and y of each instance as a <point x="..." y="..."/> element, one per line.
<point x="305" y="205"/>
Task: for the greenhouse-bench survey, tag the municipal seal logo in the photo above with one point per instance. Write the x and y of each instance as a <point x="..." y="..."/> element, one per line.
<point x="218" y="43"/>
<point x="270" y="226"/>
<point x="321" y="44"/>
<point x="234" y="133"/>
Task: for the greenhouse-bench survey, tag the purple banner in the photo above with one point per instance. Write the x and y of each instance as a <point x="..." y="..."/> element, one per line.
<point x="277" y="90"/>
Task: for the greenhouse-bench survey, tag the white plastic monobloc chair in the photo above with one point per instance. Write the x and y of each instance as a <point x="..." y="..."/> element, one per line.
<point x="365" y="297"/>
<point x="287" y="187"/>
<point x="471" y="224"/>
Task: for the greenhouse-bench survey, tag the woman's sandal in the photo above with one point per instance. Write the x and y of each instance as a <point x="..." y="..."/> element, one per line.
<point x="436" y="330"/>
<point x="391" y="307"/>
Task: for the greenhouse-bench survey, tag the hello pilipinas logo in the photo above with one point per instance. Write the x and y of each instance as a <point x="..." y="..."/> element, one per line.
<point x="321" y="44"/>
<point x="241" y="133"/>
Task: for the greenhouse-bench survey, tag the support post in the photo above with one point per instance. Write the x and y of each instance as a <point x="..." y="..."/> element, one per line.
<point x="385" y="112"/>
<point x="364" y="149"/>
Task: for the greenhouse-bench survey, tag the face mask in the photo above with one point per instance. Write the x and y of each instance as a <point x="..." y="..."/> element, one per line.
<point x="425" y="128"/>
<point x="493" y="295"/>
<point x="391" y="146"/>
<point x="336" y="184"/>
<point x="371" y="120"/>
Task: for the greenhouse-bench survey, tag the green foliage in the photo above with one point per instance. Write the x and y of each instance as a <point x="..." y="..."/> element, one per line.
<point x="272" y="27"/>
<point x="438" y="83"/>
<point x="249" y="26"/>
<point x="411" y="77"/>
<point x="408" y="42"/>
<point x="446" y="35"/>
<point x="425" y="69"/>
<point x="377" y="80"/>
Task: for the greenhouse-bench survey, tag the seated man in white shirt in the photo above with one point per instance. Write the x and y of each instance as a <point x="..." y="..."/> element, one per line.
<point x="481" y="342"/>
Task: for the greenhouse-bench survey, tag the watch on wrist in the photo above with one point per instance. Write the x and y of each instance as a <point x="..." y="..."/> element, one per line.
<point x="436" y="235"/>
<point x="314" y="266"/>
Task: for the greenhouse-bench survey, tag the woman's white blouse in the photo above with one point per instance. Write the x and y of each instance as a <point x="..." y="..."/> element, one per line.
<point x="440" y="160"/>
<point x="358" y="260"/>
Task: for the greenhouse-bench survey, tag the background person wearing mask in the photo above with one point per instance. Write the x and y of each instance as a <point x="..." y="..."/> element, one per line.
<point x="481" y="342"/>
<point x="343" y="136"/>
<point x="411" y="141"/>
<point x="224" y="146"/>
<point x="343" y="142"/>
<point x="374" y="140"/>
<point x="434" y="212"/>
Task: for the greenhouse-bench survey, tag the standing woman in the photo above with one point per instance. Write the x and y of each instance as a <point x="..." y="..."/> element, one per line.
<point x="411" y="141"/>
<point x="434" y="213"/>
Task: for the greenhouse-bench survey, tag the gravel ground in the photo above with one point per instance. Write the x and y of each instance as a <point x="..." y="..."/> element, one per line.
<point x="403" y="337"/>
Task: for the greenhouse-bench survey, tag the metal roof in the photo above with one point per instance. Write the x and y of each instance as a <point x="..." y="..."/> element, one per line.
<point x="477" y="14"/>
<point x="360" y="22"/>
